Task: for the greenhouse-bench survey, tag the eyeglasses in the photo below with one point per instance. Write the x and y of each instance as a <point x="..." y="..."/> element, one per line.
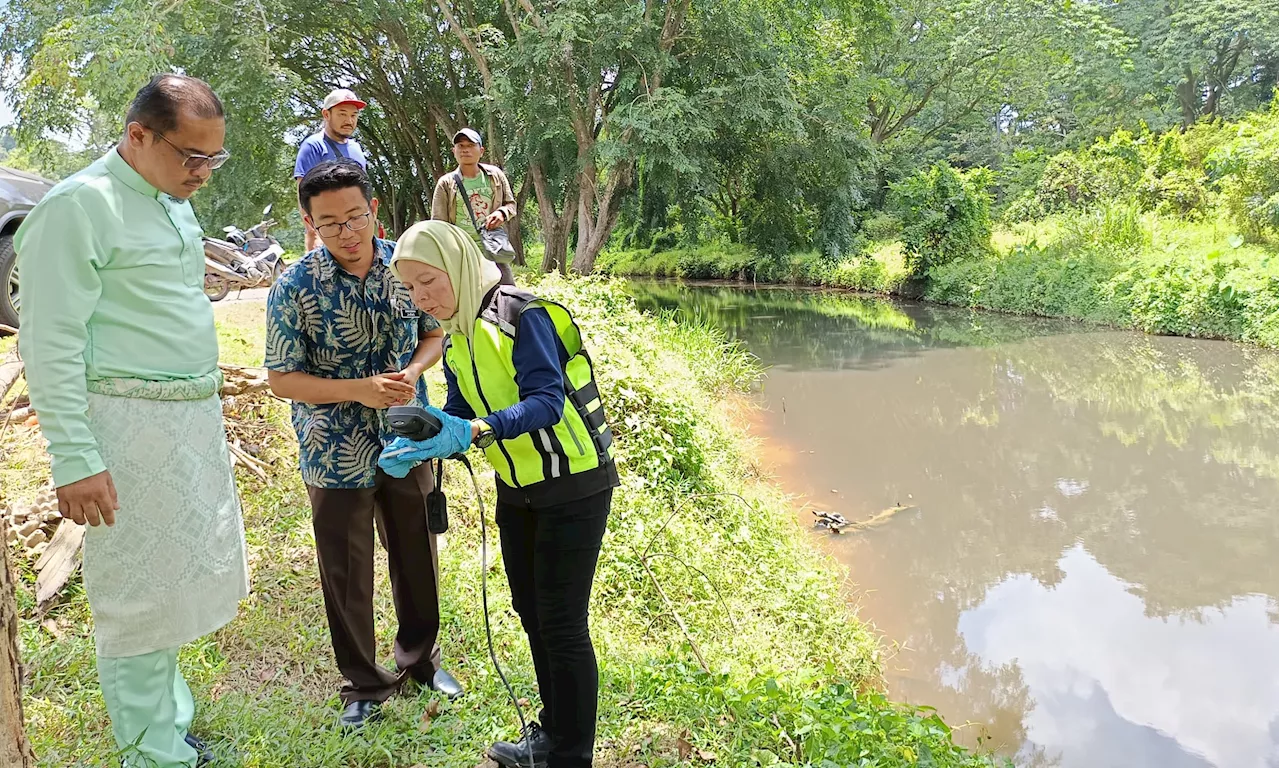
<point x="355" y="224"/>
<point x="194" y="161"/>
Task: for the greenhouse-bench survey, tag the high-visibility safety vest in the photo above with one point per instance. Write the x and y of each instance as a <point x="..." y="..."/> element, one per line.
<point x="564" y="462"/>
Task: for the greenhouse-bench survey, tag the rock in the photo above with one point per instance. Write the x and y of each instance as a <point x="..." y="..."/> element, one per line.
<point x="38" y="537"/>
<point x="11" y="535"/>
<point x="38" y="549"/>
<point x="27" y="528"/>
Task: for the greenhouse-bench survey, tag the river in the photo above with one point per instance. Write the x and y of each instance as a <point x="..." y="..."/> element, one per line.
<point x="1087" y="576"/>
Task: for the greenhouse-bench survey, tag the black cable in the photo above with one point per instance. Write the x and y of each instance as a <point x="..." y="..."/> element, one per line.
<point x="484" y="599"/>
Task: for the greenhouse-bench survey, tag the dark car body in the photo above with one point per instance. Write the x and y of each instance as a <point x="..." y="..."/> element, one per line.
<point x="19" y="193"/>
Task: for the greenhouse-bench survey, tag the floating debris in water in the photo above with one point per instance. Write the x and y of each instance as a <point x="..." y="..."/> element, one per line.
<point x="832" y="521"/>
<point x="836" y="522"/>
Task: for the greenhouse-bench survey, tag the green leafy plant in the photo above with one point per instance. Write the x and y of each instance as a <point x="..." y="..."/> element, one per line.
<point x="946" y="215"/>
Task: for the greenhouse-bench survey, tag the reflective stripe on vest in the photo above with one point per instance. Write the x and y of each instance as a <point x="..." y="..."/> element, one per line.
<point x="486" y="376"/>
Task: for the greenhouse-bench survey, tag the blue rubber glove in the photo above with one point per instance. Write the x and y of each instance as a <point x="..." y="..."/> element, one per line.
<point x="403" y="454"/>
<point x="454" y="437"/>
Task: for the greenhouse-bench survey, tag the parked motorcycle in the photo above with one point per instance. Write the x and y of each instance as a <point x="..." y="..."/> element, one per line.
<point x="251" y="259"/>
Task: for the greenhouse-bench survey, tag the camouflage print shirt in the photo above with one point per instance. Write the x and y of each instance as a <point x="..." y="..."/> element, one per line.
<point x="324" y="321"/>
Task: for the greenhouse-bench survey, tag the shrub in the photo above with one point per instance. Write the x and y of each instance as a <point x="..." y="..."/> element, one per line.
<point x="664" y="241"/>
<point x="946" y="215"/>
<point x="882" y="226"/>
<point x="1246" y="172"/>
<point x="1066" y="183"/>
<point x="1172" y="184"/>
<point x="1116" y="229"/>
<point x="1026" y="207"/>
<point x="1215" y="295"/>
<point x="1108" y="170"/>
<point x="1180" y="192"/>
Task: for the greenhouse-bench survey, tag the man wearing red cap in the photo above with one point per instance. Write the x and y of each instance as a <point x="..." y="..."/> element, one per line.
<point x="341" y="113"/>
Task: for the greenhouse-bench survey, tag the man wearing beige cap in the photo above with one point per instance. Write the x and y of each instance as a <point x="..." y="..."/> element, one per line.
<point x="341" y="112"/>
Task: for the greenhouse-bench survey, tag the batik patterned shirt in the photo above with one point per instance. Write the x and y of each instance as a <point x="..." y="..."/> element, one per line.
<point x="325" y="321"/>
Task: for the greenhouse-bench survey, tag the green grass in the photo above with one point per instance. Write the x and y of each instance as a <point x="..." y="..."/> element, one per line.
<point x="1117" y="267"/>
<point x="794" y="675"/>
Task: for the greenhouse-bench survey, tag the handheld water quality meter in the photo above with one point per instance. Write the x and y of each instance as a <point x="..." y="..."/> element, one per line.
<point x="417" y="423"/>
<point x="413" y="422"/>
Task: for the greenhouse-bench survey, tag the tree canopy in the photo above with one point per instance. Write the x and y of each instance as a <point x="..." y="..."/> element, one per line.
<point x="782" y="125"/>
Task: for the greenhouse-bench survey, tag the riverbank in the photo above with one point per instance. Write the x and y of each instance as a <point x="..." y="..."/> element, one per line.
<point x="793" y="676"/>
<point x="1115" y="268"/>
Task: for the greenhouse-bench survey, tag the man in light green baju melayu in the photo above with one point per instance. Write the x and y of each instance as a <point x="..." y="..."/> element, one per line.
<point x="122" y="363"/>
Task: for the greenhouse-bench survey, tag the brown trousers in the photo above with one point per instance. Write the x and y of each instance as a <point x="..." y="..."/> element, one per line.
<point x="344" y="526"/>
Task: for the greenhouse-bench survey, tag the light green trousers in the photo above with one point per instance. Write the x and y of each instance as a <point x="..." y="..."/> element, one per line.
<point x="150" y="707"/>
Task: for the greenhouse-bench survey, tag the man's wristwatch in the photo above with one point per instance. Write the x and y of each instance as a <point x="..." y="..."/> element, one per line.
<point x="486" y="437"/>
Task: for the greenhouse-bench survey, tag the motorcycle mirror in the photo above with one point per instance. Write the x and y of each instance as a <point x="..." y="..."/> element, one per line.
<point x="266" y="211"/>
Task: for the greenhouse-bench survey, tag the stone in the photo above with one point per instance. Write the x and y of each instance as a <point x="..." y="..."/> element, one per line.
<point x="27" y="528"/>
<point x="38" y="537"/>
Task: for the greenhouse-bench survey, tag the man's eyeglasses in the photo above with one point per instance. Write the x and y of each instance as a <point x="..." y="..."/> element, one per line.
<point x="194" y="161"/>
<point x="355" y="224"/>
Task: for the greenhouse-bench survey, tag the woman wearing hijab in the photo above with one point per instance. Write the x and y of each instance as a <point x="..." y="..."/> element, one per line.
<point x="521" y="387"/>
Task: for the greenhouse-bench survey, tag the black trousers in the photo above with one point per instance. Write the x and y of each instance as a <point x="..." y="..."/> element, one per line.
<point x="550" y="556"/>
<point x="343" y="520"/>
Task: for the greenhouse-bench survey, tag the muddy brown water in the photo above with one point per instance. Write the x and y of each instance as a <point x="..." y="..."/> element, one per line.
<point x="1088" y="576"/>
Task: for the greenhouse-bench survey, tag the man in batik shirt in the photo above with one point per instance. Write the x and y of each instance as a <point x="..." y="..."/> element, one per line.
<point x="344" y="343"/>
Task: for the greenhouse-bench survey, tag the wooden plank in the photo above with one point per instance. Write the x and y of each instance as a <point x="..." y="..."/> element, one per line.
<point x="58" y="562"/>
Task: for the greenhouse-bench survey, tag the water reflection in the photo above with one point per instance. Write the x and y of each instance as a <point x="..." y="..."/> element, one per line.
<point x="1090" y="574"/>
<point x="1124" y="687"/>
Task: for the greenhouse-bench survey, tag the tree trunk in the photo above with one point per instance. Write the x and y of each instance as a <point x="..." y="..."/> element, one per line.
<point x="513" y="230"/>
<point x="1189" y="97"/>
<point x="595" y="226"/>
<point x="15" y="750"/>
<point x="555" y="228"/>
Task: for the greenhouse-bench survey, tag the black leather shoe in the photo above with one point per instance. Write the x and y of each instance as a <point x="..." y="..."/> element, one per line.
<point x="204" y="755"/>
<point x="359" y="713"/>
<point x="443" y="682"/>
<point x="517" y="755"/>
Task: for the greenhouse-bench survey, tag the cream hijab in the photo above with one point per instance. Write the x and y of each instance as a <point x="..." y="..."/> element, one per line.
<point x="441" y="245"/>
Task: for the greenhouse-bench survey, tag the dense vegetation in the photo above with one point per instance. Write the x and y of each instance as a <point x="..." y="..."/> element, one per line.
<point x="791" y="680"/>
<point x="1169" y="233"/>
<point x="785" y="127"/>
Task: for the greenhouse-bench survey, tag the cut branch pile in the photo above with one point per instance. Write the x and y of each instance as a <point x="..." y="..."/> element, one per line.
<point x="37" y="525"/>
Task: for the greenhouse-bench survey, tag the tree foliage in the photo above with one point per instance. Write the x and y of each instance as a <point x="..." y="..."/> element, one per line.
<point x="782" y="126"/>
